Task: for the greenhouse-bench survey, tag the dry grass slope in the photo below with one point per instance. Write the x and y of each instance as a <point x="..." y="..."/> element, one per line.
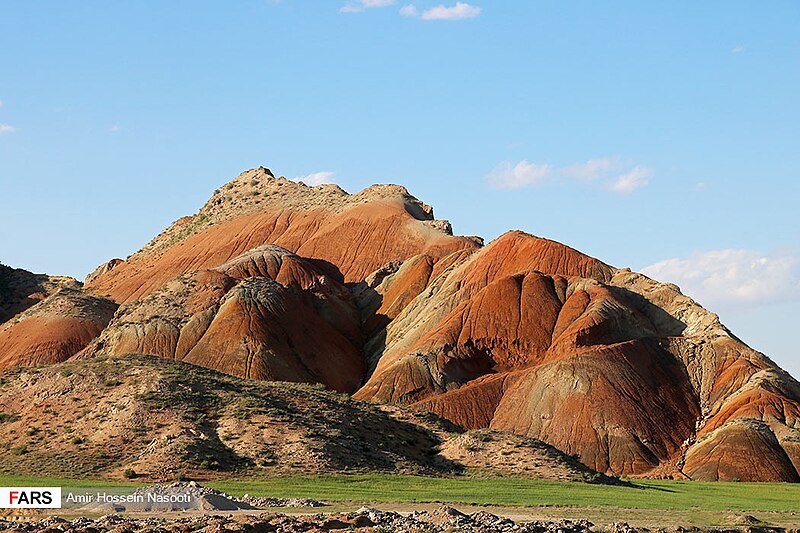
<point x="100" y="417"/>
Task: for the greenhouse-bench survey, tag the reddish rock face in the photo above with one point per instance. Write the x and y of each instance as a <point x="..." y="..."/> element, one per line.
<point x="744" y="449"/>
<point x="368" y="294"/>
<point x="356" y="233"/>
<point x="267" y="314"/>
<point x="53" y="330"/>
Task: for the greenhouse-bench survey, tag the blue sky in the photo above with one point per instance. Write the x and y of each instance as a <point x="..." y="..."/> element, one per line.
<point x="660" y="136"/>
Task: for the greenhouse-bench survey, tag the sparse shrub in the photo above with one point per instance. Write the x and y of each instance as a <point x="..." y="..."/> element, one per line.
<point x="19" y="450"/>
<point x="78" y="441"/>
<point x="483" y="436"/>
<point x="181" y="476"/>
<point x="8" y="417"/>
<point x="130" y="473"/>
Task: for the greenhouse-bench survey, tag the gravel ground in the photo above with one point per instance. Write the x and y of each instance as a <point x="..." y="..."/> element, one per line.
<point x="366" y="519"/>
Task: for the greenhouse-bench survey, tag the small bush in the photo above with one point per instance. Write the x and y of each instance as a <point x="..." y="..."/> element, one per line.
<point x="314" y="433"/>
<point x="8" y="417"/>
<point x="130" y="473"/>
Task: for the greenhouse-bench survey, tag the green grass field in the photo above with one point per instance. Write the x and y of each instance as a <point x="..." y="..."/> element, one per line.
<point x="642" y="494"/>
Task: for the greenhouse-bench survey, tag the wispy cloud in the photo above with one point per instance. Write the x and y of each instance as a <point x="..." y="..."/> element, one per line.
<point x="615" y="174"/>
<point x="358" y="6"/>
<point x="738" y="49"/>
<point x="732" y="276"/>
<point x="636" y="178"/>
<point x="593" y="168"/>
<point x="524" y="174"/>
<point x="7" y="128"/>
<point x="114" y="128"/>
<point x="459" y="11"/>
<point x="1" y="103"/>
<point x="316" y="178"/>
<point x="409" y="10"/>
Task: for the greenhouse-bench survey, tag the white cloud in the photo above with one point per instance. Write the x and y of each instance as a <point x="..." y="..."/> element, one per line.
<point x="409" y="10"/>
<point x="114" y="128"/>
<point x="523" y="174"/>
<point x="459" y="11"/>
<point x="361" y="5"/>
<point x="316" y="178"/>
<point x="738" y="49"/>
<point x="7" y="128"/>
<point x="637" y="177"/>
<point x="593" y="168"/>
<point x="615" y="174"/>
<point x="732" y="276"/>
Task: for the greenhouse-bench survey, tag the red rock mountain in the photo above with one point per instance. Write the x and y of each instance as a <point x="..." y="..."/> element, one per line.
<point x="369" y="294"/>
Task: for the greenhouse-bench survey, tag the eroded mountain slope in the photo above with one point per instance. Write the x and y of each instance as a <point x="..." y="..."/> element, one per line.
<point x="367" y="293"/>
<point x="267" y="314"/>
<point x="628" y="373"/>
<point x="322" y="222"/>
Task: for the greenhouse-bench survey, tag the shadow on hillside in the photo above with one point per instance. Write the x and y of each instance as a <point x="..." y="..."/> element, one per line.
<point x="664" y="323"/>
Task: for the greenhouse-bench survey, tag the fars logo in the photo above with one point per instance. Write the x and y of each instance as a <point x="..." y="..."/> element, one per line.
<point x="30" y="497"/>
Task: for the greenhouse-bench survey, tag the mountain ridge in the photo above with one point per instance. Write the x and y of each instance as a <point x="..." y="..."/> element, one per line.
<point x="370" y="295"/>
